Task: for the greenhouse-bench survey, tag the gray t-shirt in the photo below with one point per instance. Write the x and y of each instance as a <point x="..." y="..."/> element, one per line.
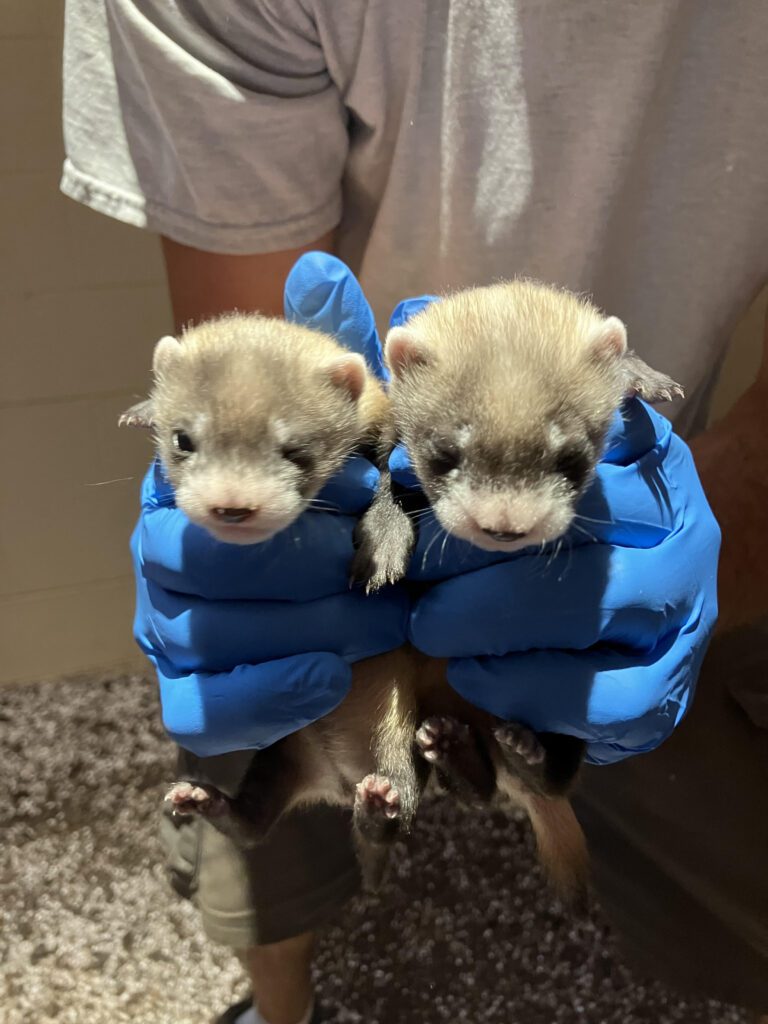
<point x="618" y="147"/>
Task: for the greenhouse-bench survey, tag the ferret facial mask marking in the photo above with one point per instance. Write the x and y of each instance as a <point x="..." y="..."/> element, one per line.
<point x="251" y="417"/>
<point x="503" y="396"/>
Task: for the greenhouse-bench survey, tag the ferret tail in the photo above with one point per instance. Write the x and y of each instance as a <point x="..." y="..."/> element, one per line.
<point x="562" y="846"/>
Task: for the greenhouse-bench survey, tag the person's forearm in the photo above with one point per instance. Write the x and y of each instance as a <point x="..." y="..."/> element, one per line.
<point x="732" y="459"/>
<point x="206" y="284"/>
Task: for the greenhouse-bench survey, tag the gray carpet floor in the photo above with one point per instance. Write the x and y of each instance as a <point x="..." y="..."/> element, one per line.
<point x="91" y="933"/>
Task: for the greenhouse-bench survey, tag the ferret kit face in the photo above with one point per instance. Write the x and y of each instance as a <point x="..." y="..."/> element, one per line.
<point x="251" y="417"/>
<point x="503" y="396"/>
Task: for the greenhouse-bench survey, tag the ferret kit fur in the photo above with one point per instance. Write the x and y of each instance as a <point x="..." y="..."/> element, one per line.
<point x="503" y="396"/>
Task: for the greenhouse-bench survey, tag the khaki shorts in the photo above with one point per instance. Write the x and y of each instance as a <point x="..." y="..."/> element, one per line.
<point x="679" y="843"/>
<point x="293" y="883"/>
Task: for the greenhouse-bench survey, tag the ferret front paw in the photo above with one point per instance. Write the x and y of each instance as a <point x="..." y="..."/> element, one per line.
<point x="188" y="798"/>
<point x="439" y="736"/>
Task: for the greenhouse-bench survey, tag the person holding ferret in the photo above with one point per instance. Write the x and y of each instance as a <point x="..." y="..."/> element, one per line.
<point x="615" y="150"/>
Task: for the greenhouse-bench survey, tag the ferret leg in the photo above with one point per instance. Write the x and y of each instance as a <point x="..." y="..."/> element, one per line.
<point x="382" y="812"/>
<point x="377" y="813"/>
<point x="386" y="800"/>
<point x="246" y="822"/>
<point x="384" y="537"/>
<point x="641" y="379"/>
<point x="265" y="794"/>
<point x="461" y="761"/>
<point x="546" y="762"/>
<point x="541" y="769"/>
<point x="139" y="415"/>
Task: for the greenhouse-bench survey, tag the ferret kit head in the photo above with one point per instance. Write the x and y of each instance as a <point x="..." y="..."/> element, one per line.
<point x="503" y="396"/>
<point x="251" y="416"/>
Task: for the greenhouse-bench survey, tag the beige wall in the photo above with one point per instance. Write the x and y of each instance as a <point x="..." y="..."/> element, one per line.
<point x="743" y="359"/>
<point x="83" y="301"/>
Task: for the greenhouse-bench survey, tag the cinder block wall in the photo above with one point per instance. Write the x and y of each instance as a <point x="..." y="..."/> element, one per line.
<point x="82" y="301"/>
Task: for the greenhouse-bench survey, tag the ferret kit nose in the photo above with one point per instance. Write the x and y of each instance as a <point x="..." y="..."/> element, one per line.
<point x="504" y="534"/>
<point x="232" y="515"/>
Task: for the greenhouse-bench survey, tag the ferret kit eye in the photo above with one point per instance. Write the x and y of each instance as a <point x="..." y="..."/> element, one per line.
<point x="183" y="443"/>
<point x="574" y="465"/>
<point x="299" y="456"/>
<point x="443" y="458"/>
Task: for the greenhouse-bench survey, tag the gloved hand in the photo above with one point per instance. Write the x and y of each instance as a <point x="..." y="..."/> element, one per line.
<point x="601" y="636"/>
<point x="252" y="643"/>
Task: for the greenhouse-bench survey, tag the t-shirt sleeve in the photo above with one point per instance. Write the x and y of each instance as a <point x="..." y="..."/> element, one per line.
<point x="216" y="124"/>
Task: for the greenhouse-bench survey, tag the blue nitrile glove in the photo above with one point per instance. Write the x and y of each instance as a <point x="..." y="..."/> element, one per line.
<point x="601" y="636"/>
<point x="252" y="643"/>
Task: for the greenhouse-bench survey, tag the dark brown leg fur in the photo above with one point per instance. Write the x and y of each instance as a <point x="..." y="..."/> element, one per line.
<point x="383" y="811"/>
<point x="546" y="763"/>
<point x="545" y="766"/>
<point x="460" y="759"/>
<point x="266" y="792"/>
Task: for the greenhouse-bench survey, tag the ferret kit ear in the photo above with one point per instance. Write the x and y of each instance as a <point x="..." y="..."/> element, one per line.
<point x="610" y="342"/>
<point x="166" y="352"/>
<point x="142" y="414"/>
<point x="139" y="415"/>
<point x="348" y="373"/>
<point x="403" y="351"/>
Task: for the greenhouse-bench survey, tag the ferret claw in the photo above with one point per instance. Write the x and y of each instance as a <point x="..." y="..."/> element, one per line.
<point x="376" y="794"/>
<point x="521" y="741"/>
<point x="438" y="735"/>
<point x="187" y="798"/>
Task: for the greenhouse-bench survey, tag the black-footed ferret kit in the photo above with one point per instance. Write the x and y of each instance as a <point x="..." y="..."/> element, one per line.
<point x="503" y="396"/>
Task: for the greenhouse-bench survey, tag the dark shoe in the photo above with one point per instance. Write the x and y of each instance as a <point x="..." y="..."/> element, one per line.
<point x="230" y="1016"/>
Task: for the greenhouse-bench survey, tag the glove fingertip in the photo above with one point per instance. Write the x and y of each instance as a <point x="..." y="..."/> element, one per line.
<point x="401" y="468"/>
<point x="311" y="282"/>
<point x="408" y="308"/>
<point x="321" y="292"/>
